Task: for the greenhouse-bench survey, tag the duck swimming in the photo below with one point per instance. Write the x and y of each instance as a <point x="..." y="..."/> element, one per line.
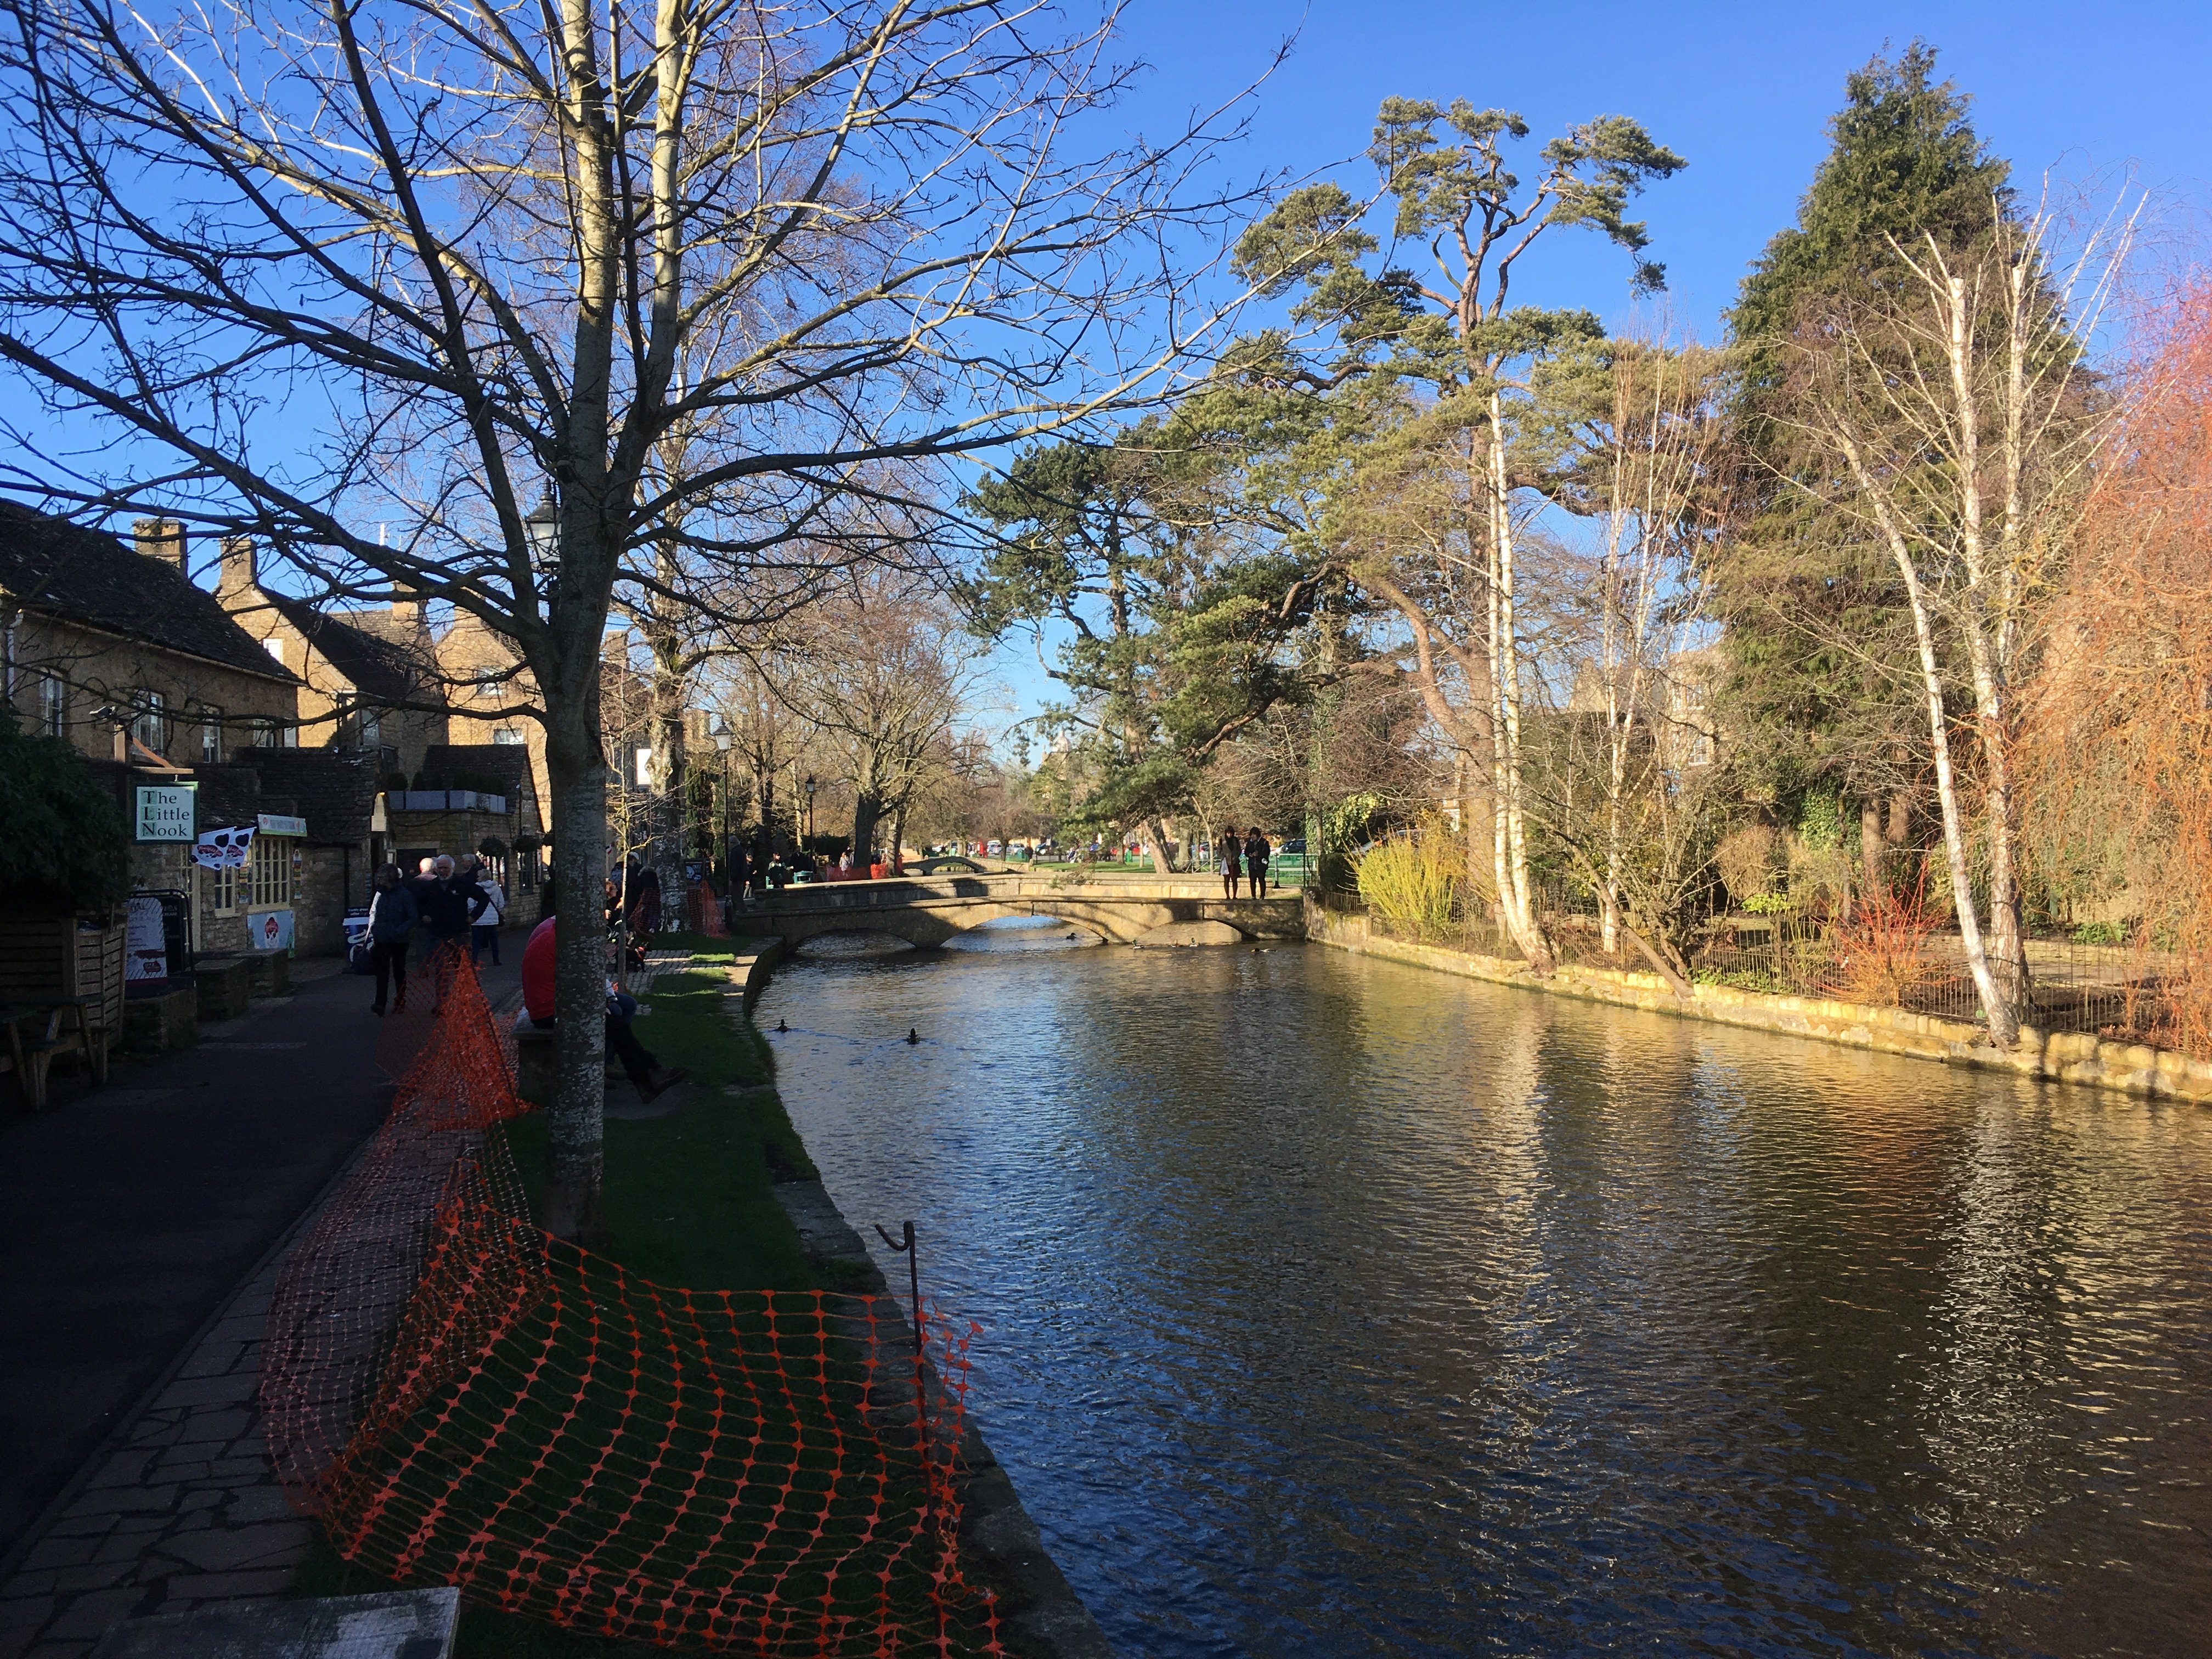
<point x="912" y="1035"/>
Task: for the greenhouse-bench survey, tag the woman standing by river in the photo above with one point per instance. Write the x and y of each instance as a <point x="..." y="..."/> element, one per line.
<point x="1231" y="867"/>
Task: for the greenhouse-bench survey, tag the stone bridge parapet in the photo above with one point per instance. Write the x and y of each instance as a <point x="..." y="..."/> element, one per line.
<point x="931" y="909"/>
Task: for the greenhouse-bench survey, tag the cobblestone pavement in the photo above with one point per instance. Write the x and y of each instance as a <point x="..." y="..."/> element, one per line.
<point x="183" y="1511"/>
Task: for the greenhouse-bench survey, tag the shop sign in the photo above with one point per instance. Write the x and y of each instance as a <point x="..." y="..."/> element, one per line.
<point x="269" y="930"/>
<point x="277" y="824"/>
<point x="145" y="943"/>
<point x="166" y="811"/>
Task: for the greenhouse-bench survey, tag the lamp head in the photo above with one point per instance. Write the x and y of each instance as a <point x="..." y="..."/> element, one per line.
<point x="542" y="526"/>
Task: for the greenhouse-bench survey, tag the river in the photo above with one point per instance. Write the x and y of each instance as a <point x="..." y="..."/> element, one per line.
<point x="1332" y="1307"/>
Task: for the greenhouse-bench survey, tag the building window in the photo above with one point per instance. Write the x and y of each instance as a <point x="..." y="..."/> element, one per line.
<point x="262" y="734"/>
<point x="371" y="729"/>
<point x="210" y="735"/>
<point x="1701" y="750"/>
<point x="226" y="891"/>
<point x="152" y="726"/>
<point x="275" y="648"/>
<point x="288" y="735"/>
<point x="269" y="866"/>
<point x="508" y="735"/>
<point x="54" y="705"/>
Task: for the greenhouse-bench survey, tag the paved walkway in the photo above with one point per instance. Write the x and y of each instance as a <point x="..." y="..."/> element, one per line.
<point x="137" y="1215"/>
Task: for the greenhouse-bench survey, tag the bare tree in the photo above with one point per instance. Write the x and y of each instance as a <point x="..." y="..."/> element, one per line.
<point x="294" y="270"/>
<point x="885" y="667"/>
<point x="1960" y="414"/>
<point x="1651" y="470"/>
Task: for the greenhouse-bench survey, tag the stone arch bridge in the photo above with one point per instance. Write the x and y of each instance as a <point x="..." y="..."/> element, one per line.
<point x="931" y="909"/>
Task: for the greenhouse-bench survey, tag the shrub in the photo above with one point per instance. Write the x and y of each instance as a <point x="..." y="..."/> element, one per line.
<point x="1411" y="881"/>
<point x="1751" y="860"/>
<point x="1879" y="957"/>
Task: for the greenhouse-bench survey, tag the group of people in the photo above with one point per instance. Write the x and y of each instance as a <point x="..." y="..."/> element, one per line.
<point x="1246" y="857"/>
<point x="448" y="902"/>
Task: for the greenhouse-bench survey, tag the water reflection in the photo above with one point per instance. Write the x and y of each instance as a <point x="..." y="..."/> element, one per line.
<point x="1337" y="1308"/>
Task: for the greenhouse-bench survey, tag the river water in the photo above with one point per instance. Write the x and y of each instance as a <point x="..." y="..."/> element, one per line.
<point x="1332" y="1307"/>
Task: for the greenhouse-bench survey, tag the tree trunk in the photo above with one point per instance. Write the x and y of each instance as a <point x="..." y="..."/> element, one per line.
<point x="1511" y="843"/>
<point x="576" y="1119"/>
<point x="2004" y="1026"/>
<point x="867" y="813"/>
<point x="1874" y="875"/>
<point x="1164" y="850"/>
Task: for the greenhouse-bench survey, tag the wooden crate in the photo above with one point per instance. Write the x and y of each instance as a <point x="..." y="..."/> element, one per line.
<point x="38" y="956"/>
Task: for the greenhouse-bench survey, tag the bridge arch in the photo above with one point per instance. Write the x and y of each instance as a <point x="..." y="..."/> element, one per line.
<point x="930" y="912"/>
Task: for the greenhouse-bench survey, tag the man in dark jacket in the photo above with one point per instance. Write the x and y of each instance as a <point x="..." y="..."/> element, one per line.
<point x="391" y="918"/>
<point x="1256" y="851"/>
<point x="446" y="903"/>
<point x="420" y="886"/>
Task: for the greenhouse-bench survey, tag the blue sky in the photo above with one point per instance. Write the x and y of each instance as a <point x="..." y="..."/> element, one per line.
<point x="1742" y="92"/>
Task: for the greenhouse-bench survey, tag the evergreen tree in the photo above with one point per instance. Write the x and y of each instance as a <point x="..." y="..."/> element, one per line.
<point x="1819" y="639"/>
<point x="1178" y="622"/>
<point x="64" y="843"/>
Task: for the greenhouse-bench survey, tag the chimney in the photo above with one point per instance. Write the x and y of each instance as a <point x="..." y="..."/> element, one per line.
<point x="242" y="573"/>
<point x="407" y="615"/>
<point x="163" y="539"/>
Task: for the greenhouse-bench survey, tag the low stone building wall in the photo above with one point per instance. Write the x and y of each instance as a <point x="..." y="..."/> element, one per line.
<point x="2061" y="1056"/>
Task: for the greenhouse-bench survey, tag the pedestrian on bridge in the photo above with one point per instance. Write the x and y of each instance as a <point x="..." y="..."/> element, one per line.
<point x="1233" y="866"/>
<point x="1255" y="861"/>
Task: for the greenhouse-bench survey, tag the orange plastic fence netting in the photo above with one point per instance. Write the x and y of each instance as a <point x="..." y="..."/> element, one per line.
<point x="463" y="1399"/>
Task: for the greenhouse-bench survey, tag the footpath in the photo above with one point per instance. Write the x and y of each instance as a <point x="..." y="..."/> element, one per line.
<point x="145" y="1224"/>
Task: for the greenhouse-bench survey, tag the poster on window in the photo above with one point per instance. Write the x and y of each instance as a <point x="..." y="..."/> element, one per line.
<point x="222" y="849"/>
<point x="145" y="945"/>
<point x="269" y="930"/>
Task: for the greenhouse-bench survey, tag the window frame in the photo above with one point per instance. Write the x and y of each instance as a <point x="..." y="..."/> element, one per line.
<point x="269" y="871"/>
<point x="150" y="706"/>
<point x="223" y="901"/>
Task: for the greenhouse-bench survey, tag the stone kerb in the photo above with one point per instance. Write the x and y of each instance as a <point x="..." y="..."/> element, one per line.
<point x="2061" y="1056"/>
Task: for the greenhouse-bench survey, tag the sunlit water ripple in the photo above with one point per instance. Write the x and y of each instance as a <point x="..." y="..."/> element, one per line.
<point x="1334" y="1306"/>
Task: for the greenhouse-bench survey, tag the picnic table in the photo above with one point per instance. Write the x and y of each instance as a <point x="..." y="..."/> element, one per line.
<point x="38" y="1028"/>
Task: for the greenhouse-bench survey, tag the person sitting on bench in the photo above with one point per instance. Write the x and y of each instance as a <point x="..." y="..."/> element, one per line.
<point x="650" y="1077"/>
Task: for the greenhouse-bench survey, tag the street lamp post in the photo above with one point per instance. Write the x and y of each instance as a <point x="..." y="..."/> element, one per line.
<point x="810" y="807"/>
<point x="720" y="733"/>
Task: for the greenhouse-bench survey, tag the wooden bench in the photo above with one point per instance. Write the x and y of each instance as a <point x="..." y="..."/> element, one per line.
<point x="35" y="1036"/>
